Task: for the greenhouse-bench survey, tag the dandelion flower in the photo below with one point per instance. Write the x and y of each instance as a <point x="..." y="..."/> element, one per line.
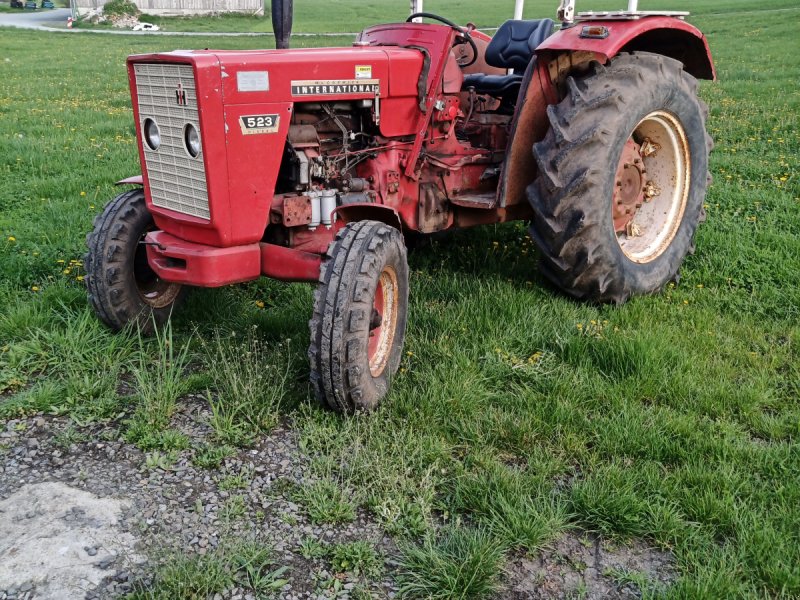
<point x="260" y="303"/>
<point x="11" y="238"/>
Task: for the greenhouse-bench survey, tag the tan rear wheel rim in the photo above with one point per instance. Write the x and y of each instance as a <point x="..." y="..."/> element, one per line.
<point x="659" y="152"/>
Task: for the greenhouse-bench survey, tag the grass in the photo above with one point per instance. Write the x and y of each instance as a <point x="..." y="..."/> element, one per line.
<point x="248" y="564"/>
<point x="517" y="413"/>
<point x="325" y="502"/>
<point x="358" y="558"/>
<point x="249" y="388"/>
<point x="460" y="564"/>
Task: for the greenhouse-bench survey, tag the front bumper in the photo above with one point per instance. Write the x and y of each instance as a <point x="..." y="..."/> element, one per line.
<point x="179" y="261"/>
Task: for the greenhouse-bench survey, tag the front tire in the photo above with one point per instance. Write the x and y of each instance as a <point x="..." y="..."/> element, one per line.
<point x="359" y="321"/>
<point x="121" y="285"/>
<point x="623" y="173"/>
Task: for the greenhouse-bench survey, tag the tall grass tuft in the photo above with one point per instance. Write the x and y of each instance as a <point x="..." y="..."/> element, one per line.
<point x="160" y="377"/>
<point x="250" y="381"/>
<point x="461" y="564"/>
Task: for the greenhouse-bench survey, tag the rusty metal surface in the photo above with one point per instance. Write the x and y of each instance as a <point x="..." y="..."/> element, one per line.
<point x="628" y="195"/>
<point x="529" y="126"/>
<point x="363" y="211"/>
<point x="434" y="212"/>
<point x="296" y="211"/>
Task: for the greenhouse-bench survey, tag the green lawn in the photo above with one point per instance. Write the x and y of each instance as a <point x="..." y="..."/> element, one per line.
<point x="315" y="16"/>
<point x="517" y="413"/>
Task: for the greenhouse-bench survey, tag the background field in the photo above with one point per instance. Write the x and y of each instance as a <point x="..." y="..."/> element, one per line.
<point x="517" y="413"/>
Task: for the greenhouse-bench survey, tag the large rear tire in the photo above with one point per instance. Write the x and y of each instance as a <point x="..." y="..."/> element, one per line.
<point x="623" y="172"/>
<point x="122" y="287"/>
<point x="359" y="321"/>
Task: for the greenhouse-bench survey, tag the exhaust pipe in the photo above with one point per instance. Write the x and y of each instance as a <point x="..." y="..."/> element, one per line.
<point x="282" y="22"/>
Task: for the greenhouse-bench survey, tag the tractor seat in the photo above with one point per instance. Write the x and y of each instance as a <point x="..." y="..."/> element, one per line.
<point x="512" y="47"/>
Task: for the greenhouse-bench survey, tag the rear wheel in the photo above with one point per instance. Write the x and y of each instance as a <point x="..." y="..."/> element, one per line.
<point x="122" y="287"/>
<point x="623" y="174"/>
<point x="359" y="321"/>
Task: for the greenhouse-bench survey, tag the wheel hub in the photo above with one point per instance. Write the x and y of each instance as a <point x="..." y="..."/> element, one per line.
<point x="153" y="290"/>
<point x="628" y="188"/>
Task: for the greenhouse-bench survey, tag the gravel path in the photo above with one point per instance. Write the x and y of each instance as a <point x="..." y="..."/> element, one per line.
<point x="180" y="511"/>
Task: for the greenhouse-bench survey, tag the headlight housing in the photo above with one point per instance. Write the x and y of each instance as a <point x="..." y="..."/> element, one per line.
<point x="191" y="140"/>
<point x="152" y="134"/>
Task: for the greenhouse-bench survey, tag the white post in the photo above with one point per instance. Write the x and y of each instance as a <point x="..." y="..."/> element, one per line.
<point x="416" y="6"/>
<point x="518" y="5"/>
<point x="633" y="6"/>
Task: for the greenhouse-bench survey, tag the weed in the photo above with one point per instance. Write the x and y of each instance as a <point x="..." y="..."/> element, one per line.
<point x="358" y="557"/>
<point x="187" y="577"/>
<point x="289" y="518"/>
<point x="249" y="389"/>
<point x="160" y="460"/>
<point x="68" y="436"/>
<point x="246" y="563"/>
<point x="233" y="509"/>
<point x="311" y="548"/>
<point x="209" y="456"/>
<point x="325" y="502"/>
<point x="254" y="563"/>
<point x="639" y="581"/>
<point x="461" y="563"/>
<point x="237" y="481"/>
<point x="158" y="387"/>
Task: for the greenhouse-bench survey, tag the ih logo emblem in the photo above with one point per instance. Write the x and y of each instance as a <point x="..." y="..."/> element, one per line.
<point x="180" y="95"/>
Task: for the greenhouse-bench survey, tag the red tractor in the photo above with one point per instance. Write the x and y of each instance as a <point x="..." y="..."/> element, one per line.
<point x="312" y="165"/>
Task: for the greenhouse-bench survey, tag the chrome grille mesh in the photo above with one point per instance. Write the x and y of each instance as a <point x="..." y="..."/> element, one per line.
<point x="177" y="181"/>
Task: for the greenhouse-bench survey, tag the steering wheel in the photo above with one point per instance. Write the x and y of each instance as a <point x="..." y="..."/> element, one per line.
<point x="464" y="33"/>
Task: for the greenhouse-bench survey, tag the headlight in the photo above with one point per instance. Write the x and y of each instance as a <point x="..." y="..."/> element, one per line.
<point x="152" y="136"/>
<point x="191" y="139"/>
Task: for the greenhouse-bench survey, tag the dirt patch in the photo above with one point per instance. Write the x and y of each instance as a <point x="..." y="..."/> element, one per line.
<point x="59" y="541"/>
<point x="585" y="566"/>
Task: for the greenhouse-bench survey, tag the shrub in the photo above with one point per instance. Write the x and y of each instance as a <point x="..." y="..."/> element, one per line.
<point x="120" y="8"/>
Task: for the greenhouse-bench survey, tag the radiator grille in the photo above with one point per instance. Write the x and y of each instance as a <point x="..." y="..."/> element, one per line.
<point x="177" y="181"/>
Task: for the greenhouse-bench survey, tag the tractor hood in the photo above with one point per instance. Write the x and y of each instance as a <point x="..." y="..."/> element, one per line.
<point x="313" y="74"/>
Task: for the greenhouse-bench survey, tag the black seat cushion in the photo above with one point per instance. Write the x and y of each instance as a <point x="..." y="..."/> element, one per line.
<point x="513" y="45"/>
<point x="494" y="85"/>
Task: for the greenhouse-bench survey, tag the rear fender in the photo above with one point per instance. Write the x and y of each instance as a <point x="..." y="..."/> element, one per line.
<point x="660" y="35"/>
<point x="566" y="52"/>
<point x="364" y="211"/>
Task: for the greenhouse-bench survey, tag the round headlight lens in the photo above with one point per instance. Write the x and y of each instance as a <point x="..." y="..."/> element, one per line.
<point x="152" y="135"/>
<point x="191" y="139"/>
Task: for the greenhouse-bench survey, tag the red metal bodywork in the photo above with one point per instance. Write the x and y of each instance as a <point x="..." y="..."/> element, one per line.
<point x="421" y="175"/>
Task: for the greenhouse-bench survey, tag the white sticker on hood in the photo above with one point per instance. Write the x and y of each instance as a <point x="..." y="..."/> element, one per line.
<point x="252" y="81"/>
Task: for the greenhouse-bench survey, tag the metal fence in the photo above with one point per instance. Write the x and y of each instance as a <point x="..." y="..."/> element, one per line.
<point x="182" y="7"/>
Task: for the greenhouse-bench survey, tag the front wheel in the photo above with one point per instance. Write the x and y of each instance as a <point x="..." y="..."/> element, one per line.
<point x="623" y="173"/>
<point x="359" y="320"/>
<point x="122" y="287"/>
